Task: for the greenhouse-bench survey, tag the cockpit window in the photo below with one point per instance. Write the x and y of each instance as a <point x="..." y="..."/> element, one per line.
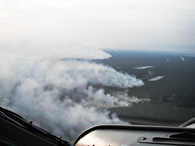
<point x="69" y="65"/>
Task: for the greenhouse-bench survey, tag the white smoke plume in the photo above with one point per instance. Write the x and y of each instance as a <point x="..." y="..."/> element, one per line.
<point x="143" y="67"/>
<point x="63" y="96"/>
<point x="156" y="78"/>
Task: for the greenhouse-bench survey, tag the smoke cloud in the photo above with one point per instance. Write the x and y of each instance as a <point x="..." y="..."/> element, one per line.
<point x="63" y="96"/>
<point x="156" y="78"/>
<point x="143" y="67"/>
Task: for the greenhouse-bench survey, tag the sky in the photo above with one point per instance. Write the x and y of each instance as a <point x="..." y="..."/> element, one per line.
<point x="27" y="25"/>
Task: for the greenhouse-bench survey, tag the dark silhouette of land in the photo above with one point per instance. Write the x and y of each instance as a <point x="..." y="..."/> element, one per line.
<point x="172" y="97"/>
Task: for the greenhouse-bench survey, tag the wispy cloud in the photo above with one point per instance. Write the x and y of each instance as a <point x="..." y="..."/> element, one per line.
<point x="156" y="78"/>
<point x="143" y="67"/>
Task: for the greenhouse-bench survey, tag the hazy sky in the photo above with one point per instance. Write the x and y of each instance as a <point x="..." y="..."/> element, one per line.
<point x="124" y="24"/>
